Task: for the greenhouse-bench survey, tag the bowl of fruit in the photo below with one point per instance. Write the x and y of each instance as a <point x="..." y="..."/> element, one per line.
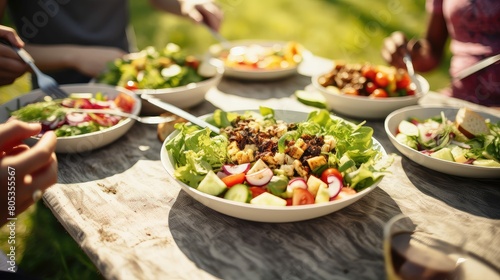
<point x="368" y="91"/>
<point x="275" y="166"/>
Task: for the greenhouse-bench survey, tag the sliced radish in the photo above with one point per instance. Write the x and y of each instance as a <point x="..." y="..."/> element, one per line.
<point x="259" y="178"/>
<point x="230" y="169"/>
<point x="77" y="118"/>
<point x="334" y="186"/>
<point x="296" y="183"/>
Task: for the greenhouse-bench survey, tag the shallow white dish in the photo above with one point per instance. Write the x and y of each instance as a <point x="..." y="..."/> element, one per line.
<point x="184" y="96"/>
<point x="257" y="74"/>
<point x="79" y="143"/>
<point x="453" y="168"/>
<point x="363" y="107"/>
<point x="269" y="214"/>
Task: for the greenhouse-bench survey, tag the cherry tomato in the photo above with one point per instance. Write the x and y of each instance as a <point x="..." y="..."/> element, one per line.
<point x="257" y="191"/>
<point x="381" y="79"/>
<point x="234" y="179"/>
<point x="379" y="93"/>
<point x="368" y="72"/>
<point x="131" y="85"/>
<point x="370" y="87"/>
<point x="331" y="171"/>
<point x="402" y="79"/>
<point x="301" y="197"/>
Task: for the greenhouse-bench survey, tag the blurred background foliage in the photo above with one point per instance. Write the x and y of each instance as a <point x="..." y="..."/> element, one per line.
<point x="348" y="30"/>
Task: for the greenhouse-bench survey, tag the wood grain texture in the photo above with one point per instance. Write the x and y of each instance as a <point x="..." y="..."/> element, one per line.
<point x="135" y="222"/>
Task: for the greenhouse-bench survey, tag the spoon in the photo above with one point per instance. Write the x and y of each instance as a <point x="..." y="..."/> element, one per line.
<point x="411" y="71"/>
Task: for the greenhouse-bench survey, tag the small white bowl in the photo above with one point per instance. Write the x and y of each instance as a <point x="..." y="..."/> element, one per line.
<point x="270" y="214"/>
<point x="364" y="107"/>
<point x="453" y="168"/>
<point x="84" y="142"/>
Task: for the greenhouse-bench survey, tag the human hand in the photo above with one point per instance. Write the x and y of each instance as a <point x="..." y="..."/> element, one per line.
<point x="394" y="48"/>
<point x="11" y="65"/>
<point x="92" y="61"/>
<point x="24" y="171"/>
<point x="203" y="11"/>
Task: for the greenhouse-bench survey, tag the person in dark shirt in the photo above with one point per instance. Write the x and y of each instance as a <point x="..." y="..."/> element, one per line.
<point x="74" y="40"/>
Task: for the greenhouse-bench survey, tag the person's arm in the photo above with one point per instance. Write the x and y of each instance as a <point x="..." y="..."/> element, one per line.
<point x="426" y="52"/>
<point x="24" y="172"/>
<point x="200" y="11"/>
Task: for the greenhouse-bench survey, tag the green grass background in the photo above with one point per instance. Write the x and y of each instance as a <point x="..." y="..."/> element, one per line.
<point x="349" y="30"/>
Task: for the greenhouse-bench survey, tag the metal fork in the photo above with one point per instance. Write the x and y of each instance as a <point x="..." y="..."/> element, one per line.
<point x="46" y="83"/>
<point x="145" y="119"/>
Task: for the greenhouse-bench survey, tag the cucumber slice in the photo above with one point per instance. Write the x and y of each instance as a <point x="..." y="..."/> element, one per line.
<point x="268" y="199"/>
<point x="486" y="163"/>
<point x="408" y="128"/>
<point x="311" y="98"/>
<point x="239" y="192"/>
<point x="212" y="184"/>
<point x="444" y="154"/>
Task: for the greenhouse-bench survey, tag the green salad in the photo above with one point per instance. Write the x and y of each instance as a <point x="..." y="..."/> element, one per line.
<point x="261" y="160"/>
<point x="153" y="69"/>
<point x="469" y="139"/>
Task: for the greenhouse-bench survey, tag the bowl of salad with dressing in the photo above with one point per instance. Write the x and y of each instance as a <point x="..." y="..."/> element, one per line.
<point x="455" y="141"/>
<point x="76" y="131"/>
<point x="275" y="166"/>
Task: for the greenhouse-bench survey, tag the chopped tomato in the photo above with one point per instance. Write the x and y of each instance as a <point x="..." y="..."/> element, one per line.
<point x="234" y="179"/>
<point x="192" y="61"/>
<point x="331" y="171"/>
<point x="301" y="197"/>
<point x="256" y="191"/>
<point x="125" y="102"/>
<point x="289" y="202"/>
<point x="379" y="93"/>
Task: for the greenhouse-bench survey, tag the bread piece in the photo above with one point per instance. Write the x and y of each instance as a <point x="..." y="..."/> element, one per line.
<point x="471" y="123"/>
<point x="164" y="129"/>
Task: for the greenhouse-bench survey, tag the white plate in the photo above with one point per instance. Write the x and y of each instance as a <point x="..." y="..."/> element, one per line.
<point x="79" y="143"/>
<point x="269" y="214"/>
<point x="364" y="107"/>
<point x="243" y="74"/>
<point x="453" y="168"/>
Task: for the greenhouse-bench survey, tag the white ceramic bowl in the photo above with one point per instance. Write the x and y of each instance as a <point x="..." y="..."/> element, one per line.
<point x="453" y="168"/>
<point x="363" y="107"/>
<point x="250" y="74"/>
<point x="85" y="142"/>
<point x="184" y="96"/>
<point x="269" y="214"/>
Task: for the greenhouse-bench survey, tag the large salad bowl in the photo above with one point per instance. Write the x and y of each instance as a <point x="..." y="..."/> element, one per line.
<point x="264" y="213"/>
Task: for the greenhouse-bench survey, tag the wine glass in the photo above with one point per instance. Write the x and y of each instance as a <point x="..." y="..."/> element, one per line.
<point x="431" y="250"/>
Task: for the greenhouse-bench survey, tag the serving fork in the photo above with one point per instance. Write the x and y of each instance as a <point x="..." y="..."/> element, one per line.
<point x="143" y="119"/>
<point x="46" y="83"/>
